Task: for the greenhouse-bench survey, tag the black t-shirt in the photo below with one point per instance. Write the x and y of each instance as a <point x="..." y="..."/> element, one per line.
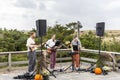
<point x="75" y="47"/>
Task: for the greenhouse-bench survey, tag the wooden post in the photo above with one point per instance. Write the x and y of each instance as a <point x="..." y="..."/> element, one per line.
<point x="79" y="25"/>
<point x="78" y="32"/>
<point x="9" y="62"/>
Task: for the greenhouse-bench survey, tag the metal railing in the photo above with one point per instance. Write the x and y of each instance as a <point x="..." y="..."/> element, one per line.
<point x="9" y="63"/>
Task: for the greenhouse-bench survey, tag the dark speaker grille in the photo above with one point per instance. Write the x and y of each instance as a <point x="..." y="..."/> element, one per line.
<point x="41" y="27"/>
<point x="100" y="29"/>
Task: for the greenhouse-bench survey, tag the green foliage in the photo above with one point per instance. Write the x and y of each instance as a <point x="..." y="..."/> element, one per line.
<point x="13" y="40"/>
<point x="89" y="41"/>
<point x="19" y="57"/>
<point x="3" y="58"/>
<point x="63" y="33"/>
<point x="111" y="45"/>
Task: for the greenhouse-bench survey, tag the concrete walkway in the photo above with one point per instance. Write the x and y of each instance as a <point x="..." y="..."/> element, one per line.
<point x="72" y="76"/>
<point x="65" y="76"/>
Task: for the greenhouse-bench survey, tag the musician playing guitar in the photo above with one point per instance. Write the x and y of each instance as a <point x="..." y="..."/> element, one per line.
<point x="31" y="46"/>
<point x="51" y="50"/>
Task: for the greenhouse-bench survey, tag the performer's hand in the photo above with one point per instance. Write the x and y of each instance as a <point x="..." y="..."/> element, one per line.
<point x="36" y="46"/>
<point x="60" y="46"/>
<point x="40" y="45"/>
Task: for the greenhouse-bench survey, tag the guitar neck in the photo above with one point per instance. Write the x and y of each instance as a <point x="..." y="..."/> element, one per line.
<point x="40" y="45"/>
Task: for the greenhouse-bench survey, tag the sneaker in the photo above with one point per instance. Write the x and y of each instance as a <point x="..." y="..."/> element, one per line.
<point x="76" y="68"/>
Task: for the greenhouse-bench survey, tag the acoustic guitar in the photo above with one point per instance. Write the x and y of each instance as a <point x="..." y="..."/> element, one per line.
<point x="36" y="47"/>
<point x="54" y="48"/>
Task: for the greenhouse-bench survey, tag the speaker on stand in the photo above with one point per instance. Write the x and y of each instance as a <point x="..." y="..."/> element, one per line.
<point x="100" y="28"/>
<point x="41" y="31"/>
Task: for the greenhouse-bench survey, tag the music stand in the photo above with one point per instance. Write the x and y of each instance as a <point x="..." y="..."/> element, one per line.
<point x="72" y="64"/>
<point x="76" y="51"/>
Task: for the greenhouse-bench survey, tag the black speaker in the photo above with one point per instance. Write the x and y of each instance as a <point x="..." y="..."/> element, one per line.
<point x="100" y="27"/>
<point x="41" y="27"/>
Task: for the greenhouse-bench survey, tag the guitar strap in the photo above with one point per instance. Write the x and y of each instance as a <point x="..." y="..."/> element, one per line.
<point x="30" y="49"/>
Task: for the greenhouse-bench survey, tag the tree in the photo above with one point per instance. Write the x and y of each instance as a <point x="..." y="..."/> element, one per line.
<point x="63" y="33"/>
<point x="89" y="40"/>
<point x="72" y="25"/>
<point x="13" y="40"/>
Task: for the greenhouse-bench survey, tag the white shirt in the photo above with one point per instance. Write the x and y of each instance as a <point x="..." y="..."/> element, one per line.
<point x="50" y="43"/>
<point x="76" y="43"/>
<point x="30" y="43"/>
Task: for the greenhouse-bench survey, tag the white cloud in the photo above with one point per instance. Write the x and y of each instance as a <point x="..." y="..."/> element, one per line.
<point x="21" y="14"/>
<point x="26" y="3"/>
<point x="115" y="4"/>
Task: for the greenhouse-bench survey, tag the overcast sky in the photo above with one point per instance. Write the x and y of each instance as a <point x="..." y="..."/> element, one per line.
<point x="22" y="14"/>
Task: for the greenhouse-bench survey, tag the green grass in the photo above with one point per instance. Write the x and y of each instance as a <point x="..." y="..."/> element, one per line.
<point x="19" y="57"/>
<point x="3" y="58"/>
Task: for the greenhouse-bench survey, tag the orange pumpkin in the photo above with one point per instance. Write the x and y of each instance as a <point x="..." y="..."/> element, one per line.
<point x="98" y="71"/>
<point x="38" y="77"/>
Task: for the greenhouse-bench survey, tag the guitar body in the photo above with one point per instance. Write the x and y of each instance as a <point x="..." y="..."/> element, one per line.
<point x="53" y="49"/>
<point x="33" y="49"/>
<point x="50" y="50"/>
<point x="36" y="47"/>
